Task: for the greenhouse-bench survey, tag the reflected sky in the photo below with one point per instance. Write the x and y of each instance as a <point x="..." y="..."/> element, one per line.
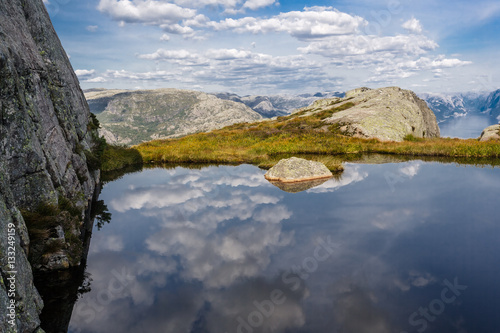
<point x="408" y="247"/>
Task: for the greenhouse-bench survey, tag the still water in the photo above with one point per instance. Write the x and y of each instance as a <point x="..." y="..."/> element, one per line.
<point x="401" y="247"/>
<point x="470" y="126"/>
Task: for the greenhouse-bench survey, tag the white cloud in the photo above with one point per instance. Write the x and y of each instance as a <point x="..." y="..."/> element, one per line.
<point x="242" y="68"/>
<point x="256" y="4"/>
<point x="84" y="72"/>
<point x="228" y="54"/>
<point x="162" y="54"/>
<point x="413" y="26"/>
<point x="362" y="45"/>
<point x="213" y="3"/>
<point x="89" y="76"/>
<point x="337" y="37"/>
<point x="313" y="22"/>
<point x="144" y="11"/>
<point x="92" y="28"/>
<point x="98" y="79"/>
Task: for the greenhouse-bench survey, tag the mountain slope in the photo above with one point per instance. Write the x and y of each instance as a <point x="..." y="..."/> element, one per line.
<point x="131" y="117"/>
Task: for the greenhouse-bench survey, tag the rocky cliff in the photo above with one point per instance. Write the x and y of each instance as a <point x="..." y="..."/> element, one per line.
<point x="387" y="114"/>
<point x="48" y="145"/>
<point x="132" y="117"/>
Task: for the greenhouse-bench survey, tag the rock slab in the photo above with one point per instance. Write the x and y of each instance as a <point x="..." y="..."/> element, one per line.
<point x="295" y="169"/>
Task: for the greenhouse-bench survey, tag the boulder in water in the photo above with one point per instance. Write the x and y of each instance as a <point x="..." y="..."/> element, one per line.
<point x="295" y="169"/>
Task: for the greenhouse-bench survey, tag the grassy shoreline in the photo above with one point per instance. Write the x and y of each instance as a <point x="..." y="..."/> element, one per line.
<point x="264" y="143"/>
<point x="229" y="146"/>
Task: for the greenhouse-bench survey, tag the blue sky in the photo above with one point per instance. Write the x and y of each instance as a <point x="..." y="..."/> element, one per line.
<point x="269" y="46"/>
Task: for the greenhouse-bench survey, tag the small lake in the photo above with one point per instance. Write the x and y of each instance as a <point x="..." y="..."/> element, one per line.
<point x="399" y="247"/>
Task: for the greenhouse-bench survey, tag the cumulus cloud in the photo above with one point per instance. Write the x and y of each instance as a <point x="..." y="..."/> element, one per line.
<point x="337" y="37"/>
<point x="98" y="79"/>
<point x="413" y="26"/>
<point x="256" y="4"/>
<point x="313" y="22"/>
<point x="212" y="3"/>
<point x="238" y="67"/>
<point x="390" y="69"/>
<point x="144" y="11"/>
<point x="81" y="73"/>
<point x="362" y="45"/>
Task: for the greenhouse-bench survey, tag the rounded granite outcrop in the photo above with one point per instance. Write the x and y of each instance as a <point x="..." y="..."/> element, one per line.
<point x="293" y="169"/>
<point x="490" y="133"/>
<point x="388" y="114"/>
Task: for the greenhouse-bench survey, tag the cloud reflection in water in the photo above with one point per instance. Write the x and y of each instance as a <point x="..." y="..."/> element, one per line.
<point x="193" y="250"/>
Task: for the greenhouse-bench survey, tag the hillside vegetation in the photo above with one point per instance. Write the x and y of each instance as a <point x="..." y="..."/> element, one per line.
<point x="264" y="143"/>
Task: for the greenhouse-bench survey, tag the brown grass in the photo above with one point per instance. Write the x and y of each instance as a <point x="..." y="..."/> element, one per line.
<point x="264" y="143"/>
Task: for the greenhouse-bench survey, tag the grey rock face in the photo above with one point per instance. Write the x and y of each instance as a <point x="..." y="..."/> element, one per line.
<point x="387" y="114"/>
<point x="27" y="297"/>
<point x="44" y="134"/>
<point x="490" y="133"/>
<point x="295" y="169"/>
<point x="132" y="117"/>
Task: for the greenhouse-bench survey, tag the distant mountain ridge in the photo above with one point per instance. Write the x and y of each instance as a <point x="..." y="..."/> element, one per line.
<point x="278" y="105"/>
<point x="456" y="105"/>
<point x="445" y="105"/>
<point x="134" y="116"/>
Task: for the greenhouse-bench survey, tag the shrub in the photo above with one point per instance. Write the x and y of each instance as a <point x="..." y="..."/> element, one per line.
<point x="412" y="138"/>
